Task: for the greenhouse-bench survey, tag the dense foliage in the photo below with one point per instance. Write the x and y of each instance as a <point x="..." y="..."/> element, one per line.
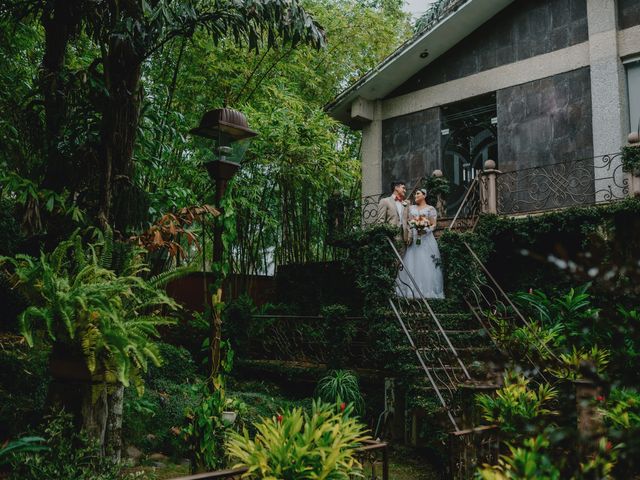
<point x="297" y="445"/>
<point x="96" y="102"/>
<point x="68" y="454"/>
<point x="89" y="309"/>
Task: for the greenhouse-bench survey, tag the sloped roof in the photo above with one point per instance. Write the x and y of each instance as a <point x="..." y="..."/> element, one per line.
<point x="457" y="19"/>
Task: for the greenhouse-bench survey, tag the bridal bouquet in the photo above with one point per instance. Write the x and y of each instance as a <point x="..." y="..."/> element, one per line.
<point x="421" y="224"/>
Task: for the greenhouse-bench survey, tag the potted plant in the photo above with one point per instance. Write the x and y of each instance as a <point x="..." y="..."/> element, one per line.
<point x="438" y="189"/>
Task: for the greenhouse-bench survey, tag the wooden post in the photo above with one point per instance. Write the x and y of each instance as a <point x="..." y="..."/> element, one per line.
<point x="385" y="463"/>
<point x="489" y="188"/>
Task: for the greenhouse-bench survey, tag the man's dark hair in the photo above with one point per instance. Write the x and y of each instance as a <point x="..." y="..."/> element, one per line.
<point x="395" y="183"/>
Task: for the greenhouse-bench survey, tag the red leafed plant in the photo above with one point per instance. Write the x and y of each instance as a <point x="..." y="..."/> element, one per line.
<point x="172" y="231"/>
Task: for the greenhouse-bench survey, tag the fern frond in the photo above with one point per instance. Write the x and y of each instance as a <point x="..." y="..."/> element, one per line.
<point x="78" y="253"/>
<point x="106" y="256"/>
<point x="164" y="278"/>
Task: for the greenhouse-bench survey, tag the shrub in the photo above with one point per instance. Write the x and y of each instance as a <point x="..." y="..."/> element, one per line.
<point x="300" y="446"/>
<point x="150" y="421"/>
<point x="527" y="462"/>
<point x="70" y="456"/>
<point x="237" y="323"/>
<point x="177" y="366"/>
<point x="340" y="332"/>
<point x="517" y="408"/>
<point x="24" y="379"/>
<point x="631" y="159"/>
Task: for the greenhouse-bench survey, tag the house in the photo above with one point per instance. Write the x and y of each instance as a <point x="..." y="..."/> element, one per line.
<point x="549" y="89"/>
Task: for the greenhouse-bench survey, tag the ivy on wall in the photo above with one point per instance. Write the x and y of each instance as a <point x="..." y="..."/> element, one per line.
<point x="566" y="248"/>
<point x="631" y="159"/>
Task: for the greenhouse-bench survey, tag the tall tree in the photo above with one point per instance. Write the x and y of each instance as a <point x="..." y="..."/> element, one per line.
<point x="123" y="35"/>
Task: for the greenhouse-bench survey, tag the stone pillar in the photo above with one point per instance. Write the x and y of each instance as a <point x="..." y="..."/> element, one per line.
<point x="608" y="93"/>
<point x="489" y="188"/>
<point x="371" y="153"/>
<point x="633" y="178"/>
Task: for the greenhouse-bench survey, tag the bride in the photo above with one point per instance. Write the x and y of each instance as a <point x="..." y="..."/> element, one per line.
<point x="422" y="257"/>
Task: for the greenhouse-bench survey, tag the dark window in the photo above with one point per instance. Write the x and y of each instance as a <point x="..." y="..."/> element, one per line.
<point x="469" y="138"/>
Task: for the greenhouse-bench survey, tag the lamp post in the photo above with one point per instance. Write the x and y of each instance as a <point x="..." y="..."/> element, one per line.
<point x="230" y="132"/>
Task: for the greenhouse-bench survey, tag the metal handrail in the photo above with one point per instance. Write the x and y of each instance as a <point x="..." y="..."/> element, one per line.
<point x="508" y="299"/>
<point x="474" y="184"/>
<point x="429" y="309"/>
<point x="236" y="473"/>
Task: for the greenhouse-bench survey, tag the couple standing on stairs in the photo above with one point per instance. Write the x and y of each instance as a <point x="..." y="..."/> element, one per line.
<point x="421" y="258"/>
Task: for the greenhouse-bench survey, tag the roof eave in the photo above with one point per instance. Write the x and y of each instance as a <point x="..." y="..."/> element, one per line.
<point x="409" y="58"/>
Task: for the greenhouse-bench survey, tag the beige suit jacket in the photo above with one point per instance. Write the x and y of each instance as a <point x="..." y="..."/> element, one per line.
<point x="388" y="213"/>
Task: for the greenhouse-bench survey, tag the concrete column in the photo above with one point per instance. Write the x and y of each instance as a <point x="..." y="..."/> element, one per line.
<point x="489" y="188"/>
<point x="608" y="93"/>
<point x="371" y="154"/>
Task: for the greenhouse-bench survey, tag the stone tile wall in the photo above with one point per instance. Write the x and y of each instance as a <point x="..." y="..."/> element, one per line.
<point x="628" y="13"/>
<point x="545" y="121"/>
<point x="410" y="146"/>
<point x="524" y="29"/>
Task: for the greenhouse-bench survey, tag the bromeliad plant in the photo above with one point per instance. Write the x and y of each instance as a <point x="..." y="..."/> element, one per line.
<point x="516" y="407"/>
<point x="84" y="307"/>
<point x="531" y="461"/>
<point x="299" y="446"/>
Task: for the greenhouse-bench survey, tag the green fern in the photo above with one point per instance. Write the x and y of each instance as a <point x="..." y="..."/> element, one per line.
<point x="112" y="319"/>
<point x="164" y="278"/>
<point x="107" y="249"/>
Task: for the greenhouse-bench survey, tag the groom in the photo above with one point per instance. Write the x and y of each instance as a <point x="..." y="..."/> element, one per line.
<point x="391" y="209"/>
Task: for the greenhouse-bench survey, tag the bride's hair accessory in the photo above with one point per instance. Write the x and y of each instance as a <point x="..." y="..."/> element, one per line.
<point x="424" y="191"/>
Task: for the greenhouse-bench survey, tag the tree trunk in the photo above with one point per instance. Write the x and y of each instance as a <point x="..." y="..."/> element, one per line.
<point x="113" y="432"/>
<point x="120" y="125"/>
<point x="94" y="412"/>
<point x="73" y="389"/>
<point x="60" y="21"/>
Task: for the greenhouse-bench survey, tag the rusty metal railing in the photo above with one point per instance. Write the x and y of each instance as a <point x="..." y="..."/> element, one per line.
<point x="373" y="456"/>
<point x="470" y="449"/>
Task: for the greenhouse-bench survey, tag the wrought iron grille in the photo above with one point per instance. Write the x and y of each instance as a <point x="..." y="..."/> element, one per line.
<point x="574" y="183"/>
<point x="311" y="339"/>
<point x="434" y="350"/>
<point x="471" y="206"/>
<point x="469" y="449"/>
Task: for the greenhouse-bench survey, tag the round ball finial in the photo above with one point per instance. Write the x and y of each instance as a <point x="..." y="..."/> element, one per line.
<point x="437" y="173"/>
<point x="633" y="137"/>
<point x="489" y="165"/>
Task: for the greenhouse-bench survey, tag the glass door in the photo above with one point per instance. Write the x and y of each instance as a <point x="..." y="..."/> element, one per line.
<point x="470" y="137"/>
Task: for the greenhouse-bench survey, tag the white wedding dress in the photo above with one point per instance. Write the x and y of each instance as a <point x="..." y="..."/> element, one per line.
<point x="422" y="261"/>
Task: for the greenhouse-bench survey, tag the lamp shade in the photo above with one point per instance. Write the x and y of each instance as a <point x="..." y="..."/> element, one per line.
<point x="223" y="122"/>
